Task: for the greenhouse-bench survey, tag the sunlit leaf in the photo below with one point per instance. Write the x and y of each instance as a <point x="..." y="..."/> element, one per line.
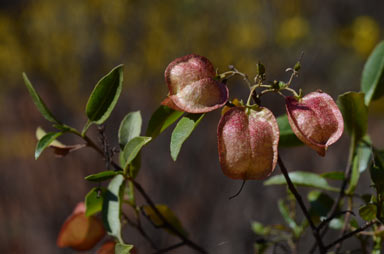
<point x="368" y="212"/>
<point x="300" y="178"/>
<point x="38" y="101"/>
<point x="94" y="201"/>
<point x="104" y="97"/>
<point x="182" y="131"/>
<point x="102" y="176"/>
<point x="287" y="137"/>
<point x="167" y="214"/>
<point x="111" y="209"/>
<point x="361" y="160"/>
<point x="355" y="113"/>
<point x="121" y="248"/>
<point x="372" y="81"/>
<point x="132" y="148"/>
<point x="161" y="119"/>
<point x="130" y="127"/>
<point x="259" y="228"/>
<point x="45" y="141"/>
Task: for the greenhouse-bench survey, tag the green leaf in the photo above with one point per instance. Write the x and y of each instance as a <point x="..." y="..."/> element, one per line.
<point x="161" y="119"/>
<point x="259" y="228"/>
<point x="129" y="194"/>
<point x="361" y="160"/>
<point x="94" y="201"/>
<point x="336" y="224"/>
<point x="182" y="131"/>
<point x="377" y="170"/>
<point x="45" y="141"/>
<point x="287" y="137"/>
<point x="38" y="101"/>
<point x="336" y="175"/>
<point x="355" y="113"/>
<point x="102" y="176"/>
<point x="104" y="97"/>
<point x="167" y="214"/>
<point x="111" y="209"/>
<point x="372" y="81"/>
<point x="130" y="128"/>
<point x="320" y="202"/>
<point x="296" y="229"/>
<point x="300" y="178"/>
<point x="132" y="148"/>
<point x="121" y="248"/>
<point x="368" y="212"/>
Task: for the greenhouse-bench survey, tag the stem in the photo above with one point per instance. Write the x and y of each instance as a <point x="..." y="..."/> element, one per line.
<point x="292" y="188"/>
<point x="345" y="226"/>
<point x="350" y="234"/>
<point x="172" y="247"/>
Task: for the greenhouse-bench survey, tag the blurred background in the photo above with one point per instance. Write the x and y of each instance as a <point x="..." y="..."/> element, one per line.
<point x="66" y="46"/>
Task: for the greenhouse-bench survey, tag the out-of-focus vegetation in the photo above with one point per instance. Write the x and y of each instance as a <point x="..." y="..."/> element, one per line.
<point x="65" y="45"/>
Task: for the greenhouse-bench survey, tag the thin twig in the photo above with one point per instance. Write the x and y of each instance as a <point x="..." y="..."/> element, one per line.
<point x="292" y="188"/>
<point x="326" y="221"/>
<point x="141" y="231"/>
<point x="172" y="247"/>
<point x="350" y="234"/>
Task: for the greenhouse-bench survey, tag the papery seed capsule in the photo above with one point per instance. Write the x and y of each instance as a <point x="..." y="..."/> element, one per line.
<point x="79" y="231"/>
<point x="316" y="120"/>
<point x="192" y="86"/>
<point x="247" y="143"/>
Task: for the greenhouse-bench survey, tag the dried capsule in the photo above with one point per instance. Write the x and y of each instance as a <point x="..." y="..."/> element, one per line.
<point x="80" y="232"/>
<point x="247" y="143"/>
<point x="192" y="87"/>
<point x="316" y="120"/>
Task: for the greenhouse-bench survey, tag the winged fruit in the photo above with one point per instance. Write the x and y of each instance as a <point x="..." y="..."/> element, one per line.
<point x="316" y="120"/>
<point x="80" y="232"/>
<point x="192" y="87"/>
<point x="247" y="143"/>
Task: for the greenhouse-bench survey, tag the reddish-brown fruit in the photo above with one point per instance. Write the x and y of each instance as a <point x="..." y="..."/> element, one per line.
<point x="247" y="143"/>
<point x="80" y="232"/>
<point x="107" y="248"/>
<point x="316" y="120"/>
<point x="192" y="86"/>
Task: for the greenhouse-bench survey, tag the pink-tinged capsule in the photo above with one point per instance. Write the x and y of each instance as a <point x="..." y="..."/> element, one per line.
<point x="316" y="120"/>
<point x="192" y="87"/>
<point x="80" y="232"/>
<point x="247" y="143"/>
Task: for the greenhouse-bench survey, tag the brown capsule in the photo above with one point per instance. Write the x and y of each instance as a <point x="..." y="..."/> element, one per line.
<point x="80" y="232"/>
<point x="247" y="143"/>
<point x="316" y="120"/>
<point x="192" y="87"/>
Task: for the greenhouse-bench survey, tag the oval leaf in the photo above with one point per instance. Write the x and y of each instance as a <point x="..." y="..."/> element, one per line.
<point x="132" y="148"/>
<point x="111" y="209"/>
<point x="336" y="175"/>
<point x="38" y="101"/>
<point x="355" y="113"/>
<point x="94" y="201"/>
<point x="161" y="119"/>
<point x="368" y="212"/>
<point x="287" y="137"/>
<point x="45" y="141"/>
<point x="104" y="97"/>
<point x="182" y="131"/>
<point x="372" y="81"/>
<point x="102" y="176"/>
<point x="130" y="128"/>
<point x="167" y="214"/>
<point x="320" y="202"/>
<point x="300" y="178"/>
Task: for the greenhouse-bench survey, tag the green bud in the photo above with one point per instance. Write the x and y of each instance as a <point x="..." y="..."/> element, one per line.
<point x="260" y="69"/>
<point x="297" y="66"/>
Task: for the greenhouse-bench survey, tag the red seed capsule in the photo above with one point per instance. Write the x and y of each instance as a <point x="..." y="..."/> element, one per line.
<point x="316" y="120"/>
<point x="247" y="143"/>
<point x="80" y="232"/>
<point x="192" y="87"/>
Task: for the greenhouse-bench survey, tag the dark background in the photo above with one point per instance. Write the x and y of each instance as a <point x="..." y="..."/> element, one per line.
<point x="66" y="46"/>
